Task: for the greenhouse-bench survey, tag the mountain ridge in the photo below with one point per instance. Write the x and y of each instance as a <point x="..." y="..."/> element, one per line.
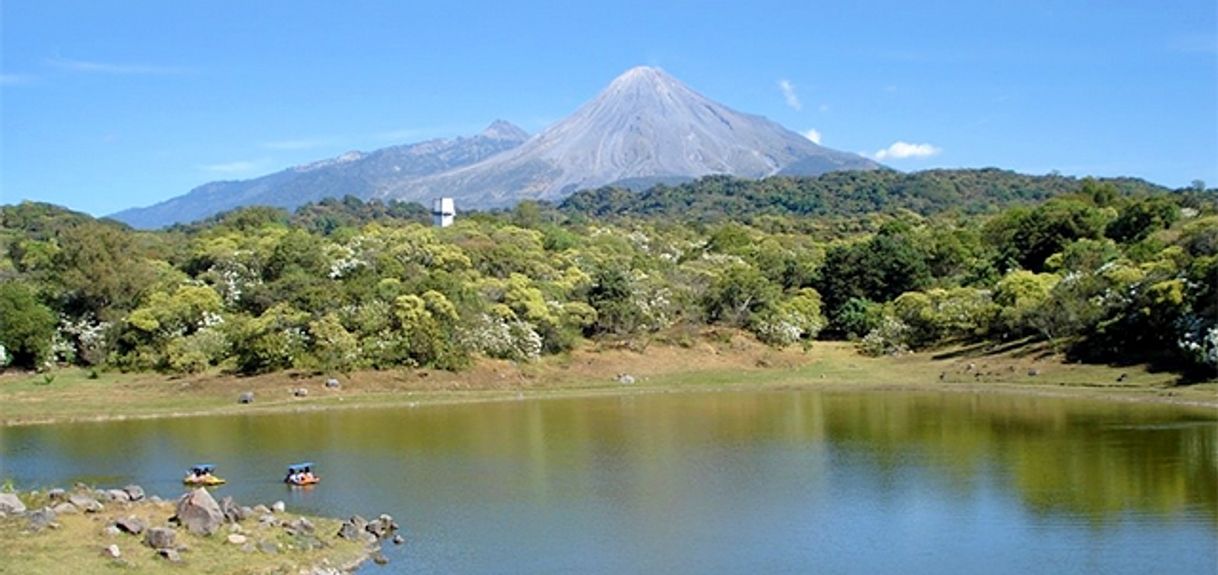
<point x="646" y="124"/>
<point x="361" y="174"/>
<point x="644" y="127"/>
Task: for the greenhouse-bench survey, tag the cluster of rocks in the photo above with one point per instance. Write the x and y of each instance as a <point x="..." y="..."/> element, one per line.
<point x="199" y="513"/>
<point x="256" y="529"/>
<point x="372" y="533"/>
<point x="248" y="397"/>
<point x="61" y="502"/>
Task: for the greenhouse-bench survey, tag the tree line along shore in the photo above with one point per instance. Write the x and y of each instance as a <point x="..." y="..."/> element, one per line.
<point x="1098" y="271"/>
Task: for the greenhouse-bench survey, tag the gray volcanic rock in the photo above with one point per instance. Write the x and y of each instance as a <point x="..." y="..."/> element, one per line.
<point x="359" y="174"/>
<point x="645" y="127"/>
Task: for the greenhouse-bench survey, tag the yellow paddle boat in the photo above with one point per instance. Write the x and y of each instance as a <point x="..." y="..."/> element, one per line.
<point x="202" y="475"/>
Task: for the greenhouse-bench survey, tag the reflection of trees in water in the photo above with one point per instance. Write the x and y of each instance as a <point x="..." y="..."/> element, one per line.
<point x="1096" y="460"/>
<point x="1093" y="459"/>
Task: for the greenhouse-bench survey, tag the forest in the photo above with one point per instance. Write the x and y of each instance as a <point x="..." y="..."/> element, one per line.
<point x="1113" y="271"/>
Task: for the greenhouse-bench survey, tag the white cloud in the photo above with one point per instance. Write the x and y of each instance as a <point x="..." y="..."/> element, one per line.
<point x="89" y="67"/>
<point x="237" y="167"/>
<point x="901" y="150"/>
<point x="788" y="93"/>
<point x="813" y="135"/>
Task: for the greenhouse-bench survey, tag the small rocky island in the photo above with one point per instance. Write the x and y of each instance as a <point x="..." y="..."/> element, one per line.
<point x="86" y="529"/>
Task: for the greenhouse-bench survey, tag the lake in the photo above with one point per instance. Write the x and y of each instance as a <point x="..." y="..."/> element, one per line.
<point x="715" y="482"/>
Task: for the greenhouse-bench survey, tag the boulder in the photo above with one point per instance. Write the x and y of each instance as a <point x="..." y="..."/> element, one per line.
<point x="247" y="397"/>
<point x="112" y="531"/>
<point x="398" y="540"/>
<point x="236" y="539"/>
<point x="278" y="507"/>
<point x="379" y="558"/>
<point x="85" y="503"/>
<point x="57" y="495"/>
<point x="118" y="495"/>
<point x="261" y="509"/>
<point x="300" y="392"/>
<point x="268" y="547"/>
<point x="170" y="555"/>
<point x="377" y="528"/>
<point x="159" y="538"/>
<point x="353" y="528"/>
<point x="42" y="519"/>
<point x="10" y="504"/>
<point x="301" y="525"/>
<point x="112" y="551"/>
<point x="66" y="508"/>
<point x="1033" y="372"/>
<point x="233" y="513"/>
<point x="198" y="512"/>
<point x="134" y="492"/>
<point x="625" y="379"/>
<point x="332" y="383"/>
<point x="131" y="524"/>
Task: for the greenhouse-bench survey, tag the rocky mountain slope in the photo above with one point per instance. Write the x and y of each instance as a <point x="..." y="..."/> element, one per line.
<point x="645" y="127"/>
<point x="358" y="174"/>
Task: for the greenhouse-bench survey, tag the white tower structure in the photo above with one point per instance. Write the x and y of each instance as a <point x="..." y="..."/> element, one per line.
<point x="442" y="212"/>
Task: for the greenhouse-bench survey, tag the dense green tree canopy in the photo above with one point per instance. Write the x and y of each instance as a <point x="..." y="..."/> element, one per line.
<point x="1112" y="270"/>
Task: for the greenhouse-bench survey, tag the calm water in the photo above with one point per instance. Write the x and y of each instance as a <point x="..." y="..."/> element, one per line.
<point x="771" y="482"/>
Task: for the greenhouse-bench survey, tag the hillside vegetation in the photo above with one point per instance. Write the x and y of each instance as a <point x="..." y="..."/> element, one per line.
<point x="1107" y="271"/>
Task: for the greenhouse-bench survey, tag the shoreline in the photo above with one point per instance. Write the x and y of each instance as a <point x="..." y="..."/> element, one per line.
<point x="85" y="529"/>
<point x="736" y="366"/>
<point x="1049" y="391"/>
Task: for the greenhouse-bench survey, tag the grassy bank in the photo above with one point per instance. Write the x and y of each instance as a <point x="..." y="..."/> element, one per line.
<point x="727" y="361"/>
<point x="77" y="544"/>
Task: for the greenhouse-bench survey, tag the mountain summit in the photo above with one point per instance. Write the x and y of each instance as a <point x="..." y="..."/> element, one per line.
<point x="646" y="126"/>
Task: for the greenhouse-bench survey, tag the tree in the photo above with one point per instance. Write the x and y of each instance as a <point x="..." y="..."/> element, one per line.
<point x="335" y="348"/>
<point x="1142" y="217"/>
<point x="736" y="294"/>
<point x="612" y="296"/>
<point x="26" y="326"/>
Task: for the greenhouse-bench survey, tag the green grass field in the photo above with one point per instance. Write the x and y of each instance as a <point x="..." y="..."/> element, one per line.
<point x="735" y="362"/>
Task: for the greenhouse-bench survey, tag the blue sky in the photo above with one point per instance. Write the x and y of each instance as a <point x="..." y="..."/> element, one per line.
<point x="106" y="105"/>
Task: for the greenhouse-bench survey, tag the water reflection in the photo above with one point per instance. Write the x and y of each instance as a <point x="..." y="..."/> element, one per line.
<point x="712" y="482"/>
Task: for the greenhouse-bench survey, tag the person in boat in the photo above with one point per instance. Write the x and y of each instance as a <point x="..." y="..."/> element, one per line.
<point x="200" y="474"/>
<point x="300" y="474"/>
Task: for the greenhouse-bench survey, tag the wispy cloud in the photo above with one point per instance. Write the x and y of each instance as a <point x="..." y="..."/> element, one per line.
<point x="237" y="167"/>
<point x="297" y="144"/>
<point x="813" y="135"/>
<point x="901" y="150"/>
<point x="15" y="79"/>
<point x="788" y="93"/>
<point x="111" y="68"/>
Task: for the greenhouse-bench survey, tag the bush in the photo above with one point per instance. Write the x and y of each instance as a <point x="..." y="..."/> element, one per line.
<point x="27" y="328"/>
